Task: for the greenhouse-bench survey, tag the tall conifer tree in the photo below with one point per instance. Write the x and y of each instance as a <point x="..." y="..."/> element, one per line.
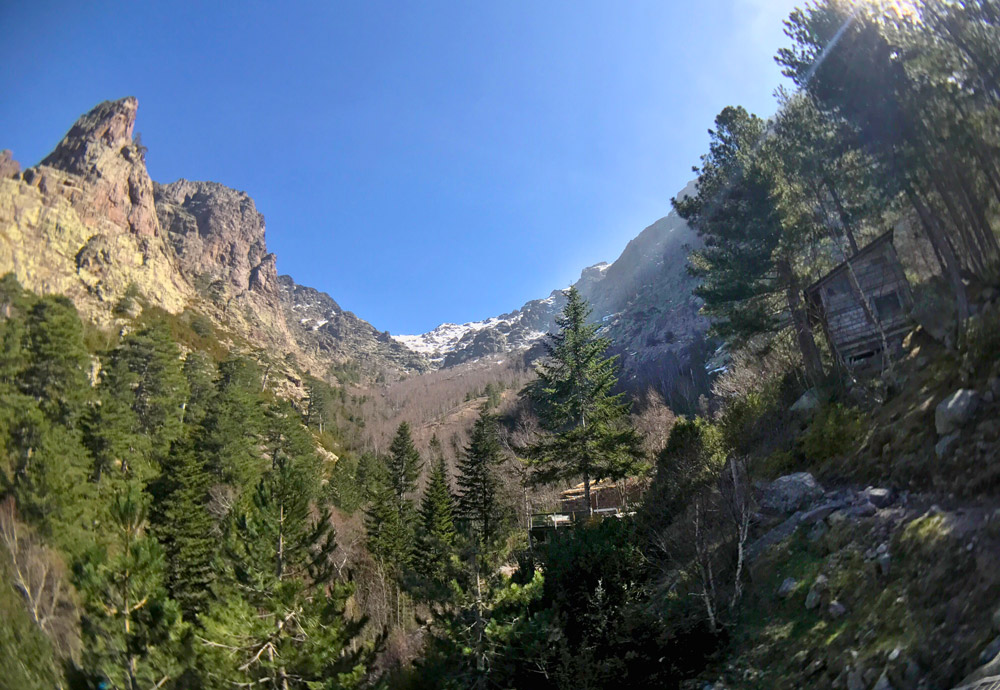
<point x="437" y="516"/>
<point x="589" y="435"/>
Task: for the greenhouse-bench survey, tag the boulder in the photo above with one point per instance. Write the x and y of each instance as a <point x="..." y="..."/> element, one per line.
<point x="808" y="402"/>
<point x="836" y="609"/>
<point x="787" y="587"/>
<point x="943" y="448"/>
<point x="818" y="531"/>
<point x="991" y="652"/>
<point x="884" y="563"/>
<point x="879" y="497"/>
<point x="791" y="492"/>
<point x="955" y="411"/>
<point x="883" y="682"/>
<point x="816" y="592"/>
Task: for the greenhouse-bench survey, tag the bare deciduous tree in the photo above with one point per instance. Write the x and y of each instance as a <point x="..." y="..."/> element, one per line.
<point x="39" y="575"/>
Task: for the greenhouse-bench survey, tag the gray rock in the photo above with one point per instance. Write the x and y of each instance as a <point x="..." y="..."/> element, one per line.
<point x="836" y="609"/>
<point x="818" y="531"/>
<point x="791" y="492"/>
<point x="944" y="447"/>
<point x="773" y="537"/>
<point x="808" y="402"/>
<point x="953" y="412"/>
<point x="991" y="651"/>
<point x="817" y="514"/>
<point x="883" y="682"/>
<point x="884" y="564"/>
<point x="787" y="587"/>
<point x="866" y="509"/>
<point x="880" y="497"/>
<point x="816" y="592"/>
<point x="855" y="681"/>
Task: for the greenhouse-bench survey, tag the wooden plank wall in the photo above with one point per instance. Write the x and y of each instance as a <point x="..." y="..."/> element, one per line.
<point x="879" y="274"/>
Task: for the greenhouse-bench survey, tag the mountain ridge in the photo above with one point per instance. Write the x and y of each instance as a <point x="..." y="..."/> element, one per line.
<point x="90" y="223"/>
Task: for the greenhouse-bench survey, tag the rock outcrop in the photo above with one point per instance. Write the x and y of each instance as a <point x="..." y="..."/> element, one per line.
<point x="99" y="150"/>
<point x="218" y="234"/>
<point x="82" y="223"/>
<point x="88" y="222"/>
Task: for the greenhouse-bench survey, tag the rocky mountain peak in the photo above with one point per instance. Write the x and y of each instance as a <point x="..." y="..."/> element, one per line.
<point x="8" y="166"/>
<point x="99" y="150"/>
<point x="218" y="234"/>
<point x="108" y="126"/>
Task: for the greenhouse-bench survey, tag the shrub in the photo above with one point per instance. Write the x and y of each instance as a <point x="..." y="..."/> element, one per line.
<point x="836" y="430"/>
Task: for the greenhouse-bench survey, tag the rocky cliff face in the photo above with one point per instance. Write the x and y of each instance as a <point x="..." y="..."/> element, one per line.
<point x="643" y="301"/>
<point x="88" y="222"/>
<point x="321" y="328"/>
<point x="218" y="235"/>
<point x="83" y="223"/>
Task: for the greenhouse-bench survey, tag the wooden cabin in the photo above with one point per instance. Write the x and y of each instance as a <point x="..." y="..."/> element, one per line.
<point x="608" y="498"/>
<point x="854" y="332"/>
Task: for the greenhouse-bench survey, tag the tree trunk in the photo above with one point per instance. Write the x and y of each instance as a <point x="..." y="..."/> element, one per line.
<point x="845" y="219"/>
<point x="800" y="320"/>
<point x="950" y="265"/>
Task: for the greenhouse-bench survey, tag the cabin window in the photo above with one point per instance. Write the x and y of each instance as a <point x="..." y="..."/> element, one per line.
<point x="887" y="306"/>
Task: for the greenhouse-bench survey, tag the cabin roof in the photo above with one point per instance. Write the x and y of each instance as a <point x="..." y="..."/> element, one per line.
<point x="869" y="249"/>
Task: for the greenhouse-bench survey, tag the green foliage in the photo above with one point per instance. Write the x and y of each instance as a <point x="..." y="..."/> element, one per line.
<point x="693" y="458"/>
<point x="437" y="538"/>
<point x="482" y="507"/>
<point x="129" y="623"/>
<point x="137" y="484"/>
<point x="835" y="431"/>
<point x="589" y="431"/>
<point x="56" y="371"/>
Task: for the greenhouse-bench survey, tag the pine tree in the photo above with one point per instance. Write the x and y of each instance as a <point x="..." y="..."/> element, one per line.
<point x="187" y="531"/>
<point x="282" y="622"/>
<point x="129" y="623"/>
<point x="589" y="433"/>
<point x="58" y="362"/>
<point x="480" y="504"/>
<point x="161" y="389"/>
<point x="404" y="467"/>
<point x="200" y="373"/>
<point x="437" y="538"/>
<point x="232" y="425"/>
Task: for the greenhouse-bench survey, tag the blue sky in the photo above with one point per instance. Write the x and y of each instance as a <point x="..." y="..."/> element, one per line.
<point x="421" y="162"/>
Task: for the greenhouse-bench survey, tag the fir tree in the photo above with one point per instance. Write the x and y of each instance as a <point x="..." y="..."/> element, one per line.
<point x="589" y="433"/>
<point x="404" y="467"/>
<point x="437" y="539"/>
<point x="481" y="505"/>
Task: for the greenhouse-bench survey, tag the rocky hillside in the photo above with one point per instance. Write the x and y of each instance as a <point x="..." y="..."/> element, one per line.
<point x="88" y="222"/>
<point x="643" y="300"/>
